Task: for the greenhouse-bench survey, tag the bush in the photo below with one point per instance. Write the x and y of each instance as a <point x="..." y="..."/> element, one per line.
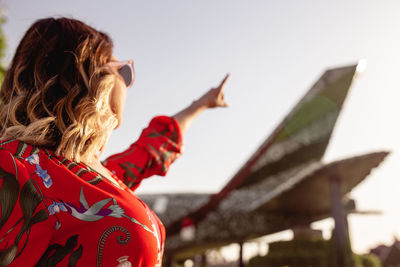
<point x="310" y="253"/>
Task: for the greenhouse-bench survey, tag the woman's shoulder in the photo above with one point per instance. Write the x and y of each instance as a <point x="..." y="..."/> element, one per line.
<point x="11" y="159"/>
<point x="26" y="163"/>
<point x="44" y="166"/>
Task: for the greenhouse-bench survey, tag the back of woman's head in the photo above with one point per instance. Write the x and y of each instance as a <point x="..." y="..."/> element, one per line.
<point x="55" y="93"/>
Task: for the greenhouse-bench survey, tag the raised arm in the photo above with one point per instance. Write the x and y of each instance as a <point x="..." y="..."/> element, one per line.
<point x="160" y="144"/>
<point x="211" y="99"/>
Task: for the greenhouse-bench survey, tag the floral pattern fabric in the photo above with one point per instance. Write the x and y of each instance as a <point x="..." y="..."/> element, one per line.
<point x="57" y="212"/>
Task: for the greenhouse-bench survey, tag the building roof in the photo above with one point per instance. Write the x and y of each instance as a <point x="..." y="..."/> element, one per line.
<point x="270" y="207"/>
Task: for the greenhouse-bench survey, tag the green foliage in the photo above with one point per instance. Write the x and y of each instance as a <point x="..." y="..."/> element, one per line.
<point x="313" y="252"/>
<point x="369" y="260"/>
<point x="295" y="253"/>
<point x="2" y="44"/>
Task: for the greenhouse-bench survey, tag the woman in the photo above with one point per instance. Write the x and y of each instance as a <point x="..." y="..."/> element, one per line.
<point x="61" y="98"/>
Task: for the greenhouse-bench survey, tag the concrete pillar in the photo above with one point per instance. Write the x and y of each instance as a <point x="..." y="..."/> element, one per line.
<point x="343" y="252"/>
<point x="241" y="263"/>
<point x="167" y="262"/>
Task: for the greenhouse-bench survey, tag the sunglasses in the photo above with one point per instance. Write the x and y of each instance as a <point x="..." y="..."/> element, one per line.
<point x="126" y="70"/>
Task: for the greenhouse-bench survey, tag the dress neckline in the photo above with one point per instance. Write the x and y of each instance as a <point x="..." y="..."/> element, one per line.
<point x="115" y="183"/>
<point x="90" y="169"/>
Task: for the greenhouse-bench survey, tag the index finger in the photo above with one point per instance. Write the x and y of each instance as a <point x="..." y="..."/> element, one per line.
<point x="222" y="84"/>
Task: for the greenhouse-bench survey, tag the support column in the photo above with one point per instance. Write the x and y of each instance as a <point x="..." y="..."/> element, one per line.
<point x="343" y="253"/>
<point x="200" y="260"/>
<point x="241" y="263"/>
<point x="204" y="259"/>
<point x="167" y="262"/>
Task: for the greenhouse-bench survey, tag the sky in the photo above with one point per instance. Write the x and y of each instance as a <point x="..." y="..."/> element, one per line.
<point x="274" y="51"/>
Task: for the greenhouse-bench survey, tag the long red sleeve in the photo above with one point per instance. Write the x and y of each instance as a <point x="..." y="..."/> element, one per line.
<point x="159" y="145"/>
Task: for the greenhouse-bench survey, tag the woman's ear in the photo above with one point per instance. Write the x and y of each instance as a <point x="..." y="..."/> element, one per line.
<point x="117" y="100"/>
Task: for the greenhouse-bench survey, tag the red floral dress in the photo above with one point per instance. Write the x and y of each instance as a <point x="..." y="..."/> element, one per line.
<point x="57" y="212"/>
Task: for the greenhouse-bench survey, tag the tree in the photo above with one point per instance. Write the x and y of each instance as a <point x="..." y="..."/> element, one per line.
<point x="2" y="43"/>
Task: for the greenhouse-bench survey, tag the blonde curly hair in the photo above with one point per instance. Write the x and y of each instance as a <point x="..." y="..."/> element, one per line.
<point x="56" y="91"/>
